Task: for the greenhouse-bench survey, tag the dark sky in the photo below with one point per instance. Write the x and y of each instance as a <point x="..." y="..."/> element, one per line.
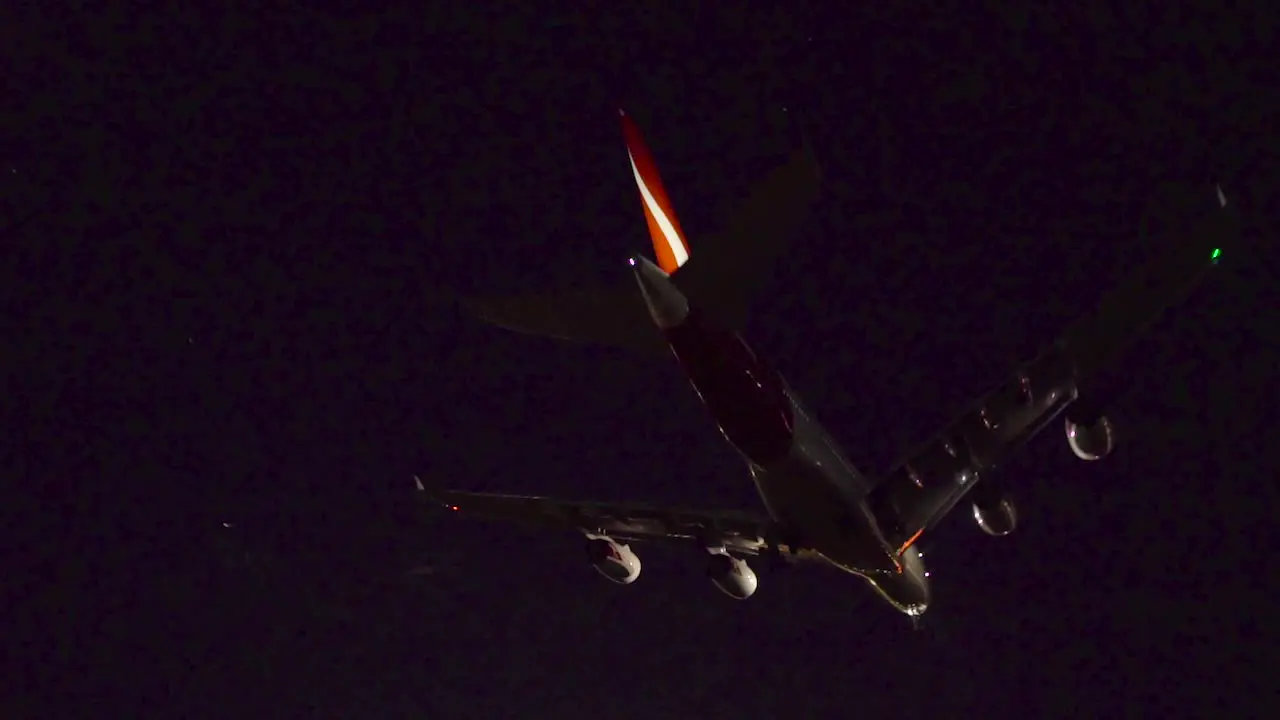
<point x="238" y="236"/>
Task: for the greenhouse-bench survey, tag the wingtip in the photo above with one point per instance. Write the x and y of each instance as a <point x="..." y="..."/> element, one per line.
<point x="426" y="492"/>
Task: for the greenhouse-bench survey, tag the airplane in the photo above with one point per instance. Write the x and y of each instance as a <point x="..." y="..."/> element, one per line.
<point x="819" y="508"/>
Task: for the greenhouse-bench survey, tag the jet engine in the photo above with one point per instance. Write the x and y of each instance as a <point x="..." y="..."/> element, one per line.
<point x="1092" y="438"/>
<point x="732" y="575"/>
<point x="994" y="510"/>
<point x="613" y="561"/>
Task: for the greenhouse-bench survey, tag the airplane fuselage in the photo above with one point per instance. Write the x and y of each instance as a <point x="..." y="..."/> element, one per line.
<point x="817" y="499"/>
<point x="746" y="397"/>
<point x="819" y="505"/>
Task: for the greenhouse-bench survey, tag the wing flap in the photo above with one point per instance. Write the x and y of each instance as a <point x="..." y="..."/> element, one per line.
<point x="738" y="531"/>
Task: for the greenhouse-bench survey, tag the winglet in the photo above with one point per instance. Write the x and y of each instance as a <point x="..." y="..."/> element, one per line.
<point x="428" y="493"/>
<point x="669" y="243"/>
<point x="432" y="495"/>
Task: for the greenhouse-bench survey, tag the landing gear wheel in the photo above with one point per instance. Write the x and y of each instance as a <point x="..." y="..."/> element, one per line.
<point x="774" y="540"/>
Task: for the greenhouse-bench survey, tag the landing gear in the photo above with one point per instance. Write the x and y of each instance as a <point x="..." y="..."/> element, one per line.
<point x="774" y="539"/>
<point x="706" y="540"/>
<point x="776" y="558"/>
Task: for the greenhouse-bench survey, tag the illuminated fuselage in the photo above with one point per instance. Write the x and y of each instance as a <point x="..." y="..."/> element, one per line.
<point x="816" y="498"/>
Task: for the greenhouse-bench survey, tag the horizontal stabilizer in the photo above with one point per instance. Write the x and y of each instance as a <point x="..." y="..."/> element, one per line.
<point x="718" y="277"/>
<point x="615" y="316"/>
<point x="727" y="268"/>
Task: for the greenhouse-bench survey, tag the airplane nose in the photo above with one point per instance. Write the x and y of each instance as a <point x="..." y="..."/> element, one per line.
<point x="667" y="305"/>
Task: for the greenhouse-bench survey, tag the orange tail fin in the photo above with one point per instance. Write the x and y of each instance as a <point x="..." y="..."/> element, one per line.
<point x="669" y="243"/>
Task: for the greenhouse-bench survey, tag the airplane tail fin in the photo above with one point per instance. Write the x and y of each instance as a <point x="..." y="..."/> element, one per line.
<point x="718" y="278"/>
<point x="669" y="243"/>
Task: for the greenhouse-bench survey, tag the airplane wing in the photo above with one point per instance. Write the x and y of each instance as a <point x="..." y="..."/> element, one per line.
<point x="923" y="489"/>
<point x="738" y="531"/>
<point x="718" y="275"/>
<point x="610" y="315"/>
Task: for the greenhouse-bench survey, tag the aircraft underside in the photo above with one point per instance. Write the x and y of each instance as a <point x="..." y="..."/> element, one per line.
<point x="812" y="493"/>
<point x="820" y="508"/>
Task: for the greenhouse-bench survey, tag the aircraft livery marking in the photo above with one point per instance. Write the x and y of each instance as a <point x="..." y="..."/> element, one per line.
<point x="668" y="241"/>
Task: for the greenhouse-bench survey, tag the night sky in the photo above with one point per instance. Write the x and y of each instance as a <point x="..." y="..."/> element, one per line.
<point x="239" y="238"/>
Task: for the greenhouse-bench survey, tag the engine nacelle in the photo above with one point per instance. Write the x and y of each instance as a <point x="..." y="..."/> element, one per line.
<point x="732" y="575"/>
<point x="996" y="519"/>
<point x="993" y="510"/>
<point x="613" y="561"/>
<point x="1090" y="439"/>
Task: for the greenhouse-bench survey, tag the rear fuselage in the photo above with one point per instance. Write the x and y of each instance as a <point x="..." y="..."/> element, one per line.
<point x="816" y="497"/>
<point x="746" y="397"/>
